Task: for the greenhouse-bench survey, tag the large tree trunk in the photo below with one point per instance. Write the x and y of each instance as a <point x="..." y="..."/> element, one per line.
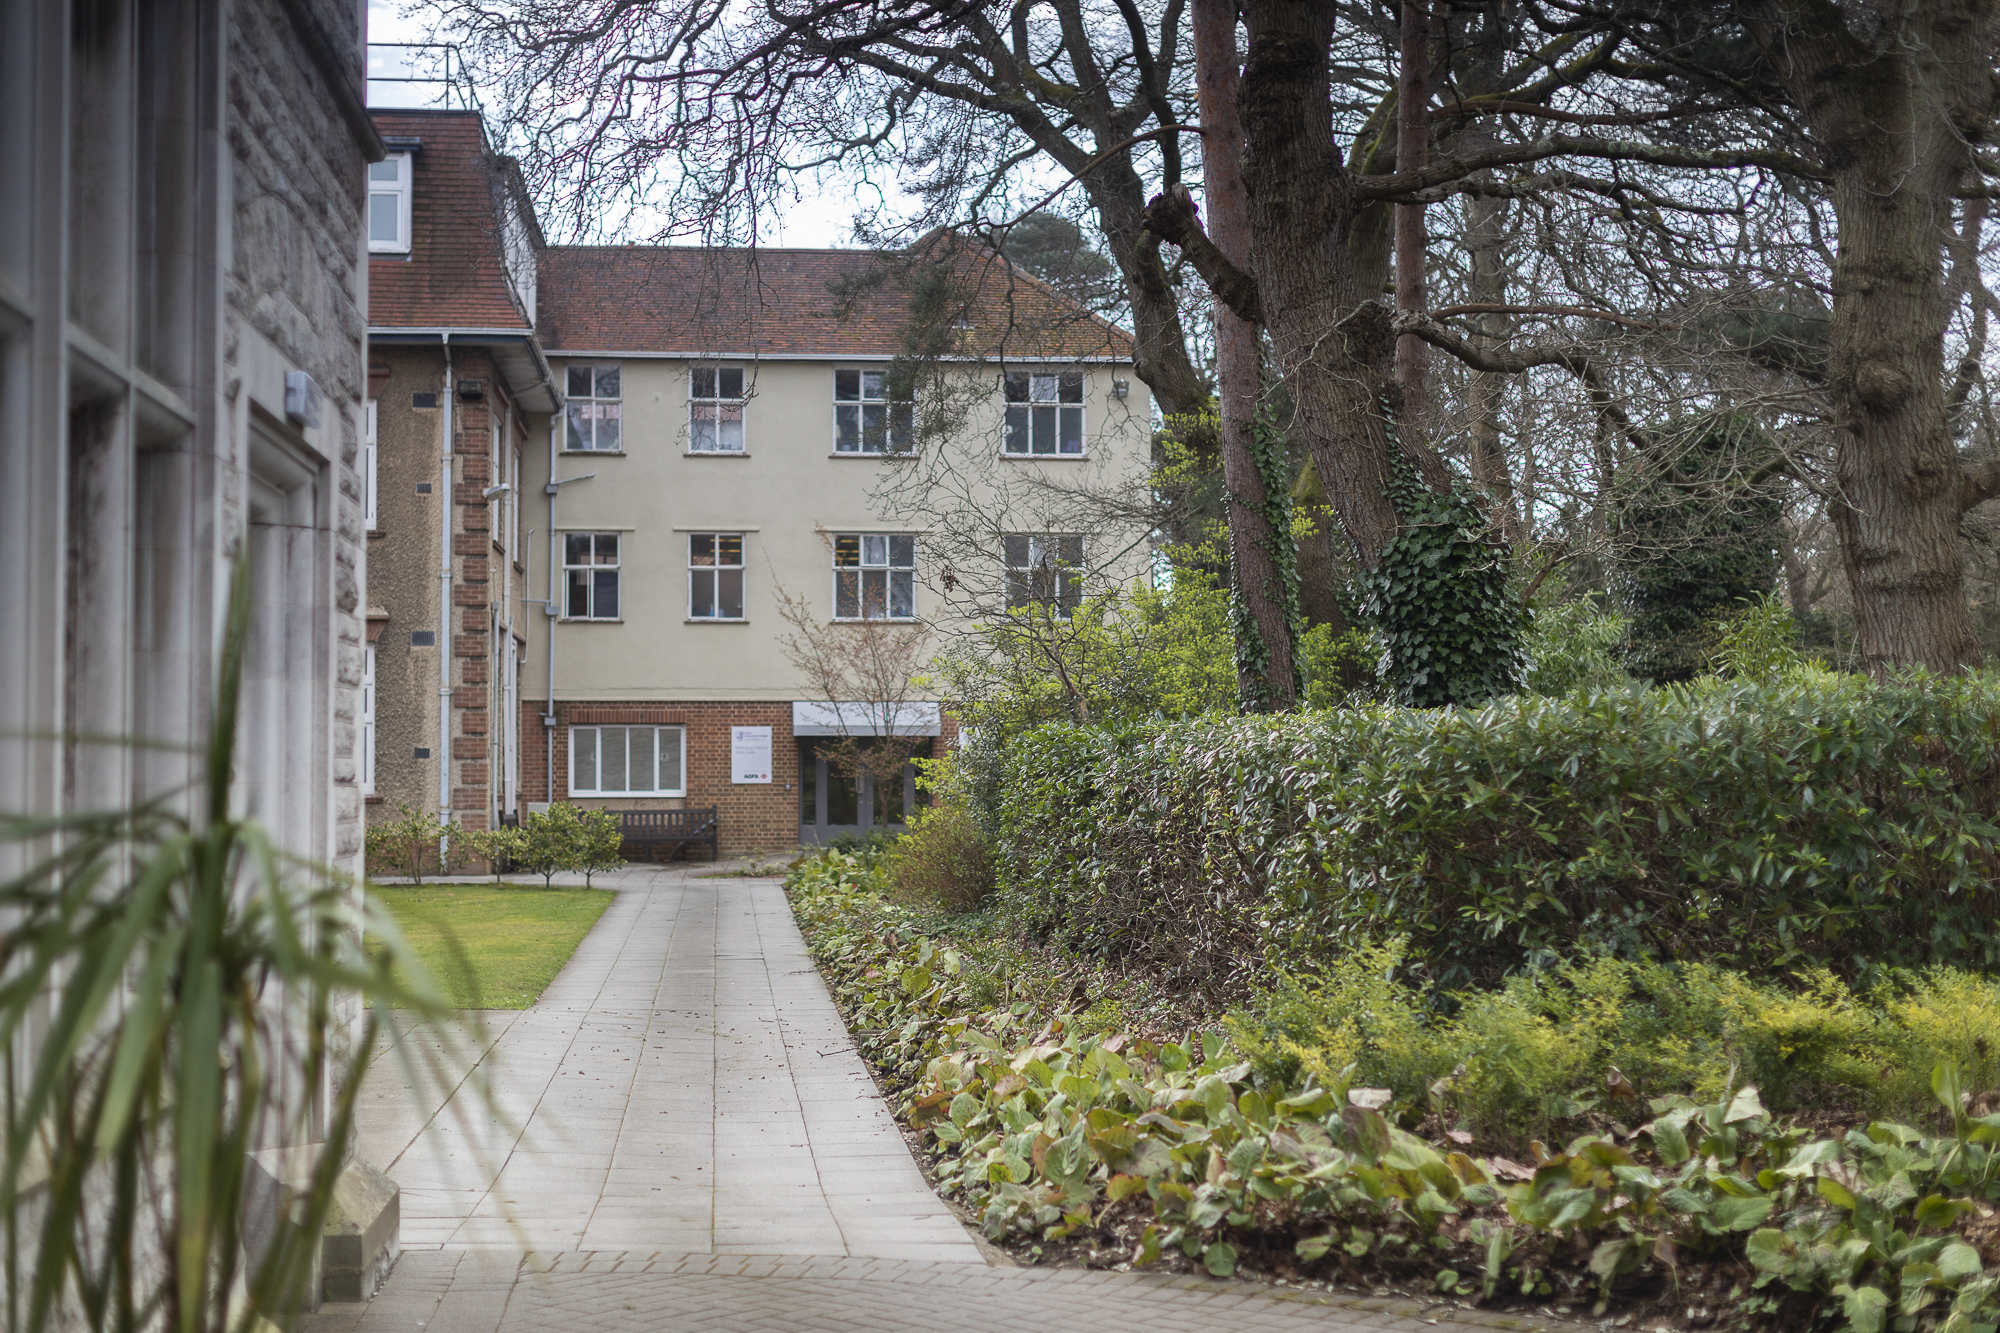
<point x="1320" y="266"/>
<point x="1881" y="95"/>
<point x="1413" y="144"/>
<point x="1267" y="677"/>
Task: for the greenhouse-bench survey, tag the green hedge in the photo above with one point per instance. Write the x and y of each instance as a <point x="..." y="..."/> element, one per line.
<point x="1825" y="820"/>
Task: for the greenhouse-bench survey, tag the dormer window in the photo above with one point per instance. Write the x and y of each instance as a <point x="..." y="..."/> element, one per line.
<point x="389" y="205"/>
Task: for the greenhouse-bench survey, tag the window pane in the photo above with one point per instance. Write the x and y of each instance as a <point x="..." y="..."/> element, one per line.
<point x="579" y="427"/>
<point x="731" y="382"/>
<point x="847" y="430"/>
<point x="1017" y="589"/>
<point x="846" y="550"/>
<point x="604" y="602"/>
<point x="611" y="759"/>
<point x="729" y="584"/>
<point x="899" y="427"/>
<point x="701" y="435"/>
<point x="701" y="548"/>
<point x="1042" y="388"/>
<point x="388" y="169"/>
<point x="1017" y="388"/>
<point x="1014" y="550"/>
<point x="607" y="381"/>
<point x="576" y="548"/>
<point x="902" y="551"/>
<point x="875" y="427"/>
<point x="701" y="593"/>
<point x="385" y="218"/>
<point x="729" y="548"/>
<point x="1072" y="386"/>
<point x="670" y="758"/>
<point x="607" y="425"/>
<point x="902" y="594"/>
<point x="808" y="784"/>
<point x="583" y="741"/>
<point x="607" y="548"/>
<point x="874" y="593"/>
<point x="871" y="384"/>
<point x="642" y="759"/>
<point x="1045" y="429"/>
<point x="579" y="381"/>
<point x="579" y="593"/>
<point x="1017" y="430"/>
<point x="847" y="384"/>
<point x="846" y="594"/>
<point x="1070" y="551"/>
<point x="841" y="806"/>
<point x="874" y="549"/>
<point x="1072" y="430"/>
<point x="732" y="431"/>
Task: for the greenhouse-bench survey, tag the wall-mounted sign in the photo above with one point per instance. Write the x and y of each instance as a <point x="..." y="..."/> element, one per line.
<point x="750" y="754"/>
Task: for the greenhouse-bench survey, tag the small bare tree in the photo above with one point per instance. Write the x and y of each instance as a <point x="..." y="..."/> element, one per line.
<point x="869" y="669"/>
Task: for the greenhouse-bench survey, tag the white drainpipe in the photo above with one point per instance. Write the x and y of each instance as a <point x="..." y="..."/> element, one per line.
<point x="444" y="595"/>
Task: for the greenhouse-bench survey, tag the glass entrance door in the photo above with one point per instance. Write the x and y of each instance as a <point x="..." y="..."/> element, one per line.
<point x="833" y="802"/>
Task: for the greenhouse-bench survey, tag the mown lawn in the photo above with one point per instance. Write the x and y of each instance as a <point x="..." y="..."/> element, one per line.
<point x="494" y="947"/>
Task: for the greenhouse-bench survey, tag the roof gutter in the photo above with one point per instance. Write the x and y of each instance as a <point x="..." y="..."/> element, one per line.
<point x="477" y="337"/>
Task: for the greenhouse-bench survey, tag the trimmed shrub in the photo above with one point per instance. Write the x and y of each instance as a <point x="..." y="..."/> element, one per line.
<point x="943" y="861"/>
<point x="568" y="839"/>
<point x="418" y="843"/>
<point x="1821" y="820"/>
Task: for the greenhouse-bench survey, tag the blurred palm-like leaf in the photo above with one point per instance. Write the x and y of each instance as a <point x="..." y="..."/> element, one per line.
<point x="175" y="990"/>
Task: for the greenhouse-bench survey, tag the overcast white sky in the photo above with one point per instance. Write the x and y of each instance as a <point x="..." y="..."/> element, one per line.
<point x="815" y="221"/>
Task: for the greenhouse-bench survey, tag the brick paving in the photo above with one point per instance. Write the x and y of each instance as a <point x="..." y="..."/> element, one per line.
<point x="681" y="1137"/>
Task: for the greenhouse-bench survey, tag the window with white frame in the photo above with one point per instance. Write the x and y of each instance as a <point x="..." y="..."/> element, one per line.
<point x="865" y="420"/>
<point x="715" y="410"/>
<point x="715" y="576"/>
<point x="596" y="413"/>
<point x="1044" y="412"/>
<point x="368" y="720"/>
<point x="874" y="576"/>
<point x="627" y="761"/>
<point x="370" y="518"/>
<point x="389" y="204"/>
<point x="590" y="572"/>
<point x="1044" y="570"/>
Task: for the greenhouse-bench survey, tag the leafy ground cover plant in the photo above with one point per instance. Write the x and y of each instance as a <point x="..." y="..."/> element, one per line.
<point x="1128" y="1150"/>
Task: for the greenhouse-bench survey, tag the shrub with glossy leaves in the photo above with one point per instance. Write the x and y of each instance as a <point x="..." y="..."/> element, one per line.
<point x="1824" y="819"/>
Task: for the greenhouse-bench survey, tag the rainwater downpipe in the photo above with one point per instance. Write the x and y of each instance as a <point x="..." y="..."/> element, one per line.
<point x="444" y="601"/>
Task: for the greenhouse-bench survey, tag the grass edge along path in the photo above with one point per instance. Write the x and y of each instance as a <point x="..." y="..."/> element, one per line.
<point x="514" y="938"/>
<point x="1118" y="1152"/>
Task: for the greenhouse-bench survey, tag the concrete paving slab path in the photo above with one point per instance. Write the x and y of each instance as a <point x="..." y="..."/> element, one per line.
<point x="680" y="1136"/>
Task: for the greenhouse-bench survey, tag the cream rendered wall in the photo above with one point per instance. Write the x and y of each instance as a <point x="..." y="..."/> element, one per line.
<point x="787" y="492"/>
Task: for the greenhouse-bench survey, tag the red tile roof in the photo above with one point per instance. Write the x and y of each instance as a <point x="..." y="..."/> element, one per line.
<point x="698" y="301"/>
<point x="454" y="275"/>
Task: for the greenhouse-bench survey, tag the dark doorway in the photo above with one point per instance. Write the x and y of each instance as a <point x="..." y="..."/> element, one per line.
<point x="832" y="802"/>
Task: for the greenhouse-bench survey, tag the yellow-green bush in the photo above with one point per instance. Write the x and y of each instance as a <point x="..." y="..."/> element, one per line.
<point x="943" y="861"/>
<point x="1517" y="1062"/>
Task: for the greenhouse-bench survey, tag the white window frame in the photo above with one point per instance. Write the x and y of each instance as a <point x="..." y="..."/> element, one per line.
<point x="721" y="405"/>
<point x="400" y="190"/>
<point x="596" y="750"/>
<point x="368" y="720"/>
<point x="593" y="410"/>
<point x="371" y="517"/>
<point x="1043" y="394"/>
<point x="712" y="572"/>
<point x="895" y="434"/>
<point x="875" y="554"/>
<point x="1043" y="558"/>
<point x="595" y="565"/>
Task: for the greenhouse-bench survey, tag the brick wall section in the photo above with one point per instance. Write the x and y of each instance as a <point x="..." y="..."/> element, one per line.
<point x="752" y="817"/>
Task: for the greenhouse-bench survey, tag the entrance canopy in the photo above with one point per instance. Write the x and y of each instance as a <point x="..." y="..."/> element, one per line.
<point x="867" y="719"/>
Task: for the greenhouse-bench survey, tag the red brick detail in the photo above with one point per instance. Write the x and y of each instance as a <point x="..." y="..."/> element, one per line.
<point x="468" y="596"/>
<point x="472" y="569"/>
<point x="474" y="469"/>
<point x="470" y="798"/>
<point x="464" y="545"/>
<point x="465" y="698"/>
<point x="473" y="671"/>
<point x="472" y="721"/>
<point x="752" y="817"/>
<point x="613" y="715"/>
<point x="475" y="823"/>
<point x="475" y="620"/>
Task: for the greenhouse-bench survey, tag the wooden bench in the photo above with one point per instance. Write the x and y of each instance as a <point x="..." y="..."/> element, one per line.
<point x="676" y="830"/>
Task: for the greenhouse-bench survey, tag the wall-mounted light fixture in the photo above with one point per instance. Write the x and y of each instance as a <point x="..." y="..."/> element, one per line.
<point x="472" y="389"/>
<point x="492" y="491"/>
<point x="1119" y="388"/>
